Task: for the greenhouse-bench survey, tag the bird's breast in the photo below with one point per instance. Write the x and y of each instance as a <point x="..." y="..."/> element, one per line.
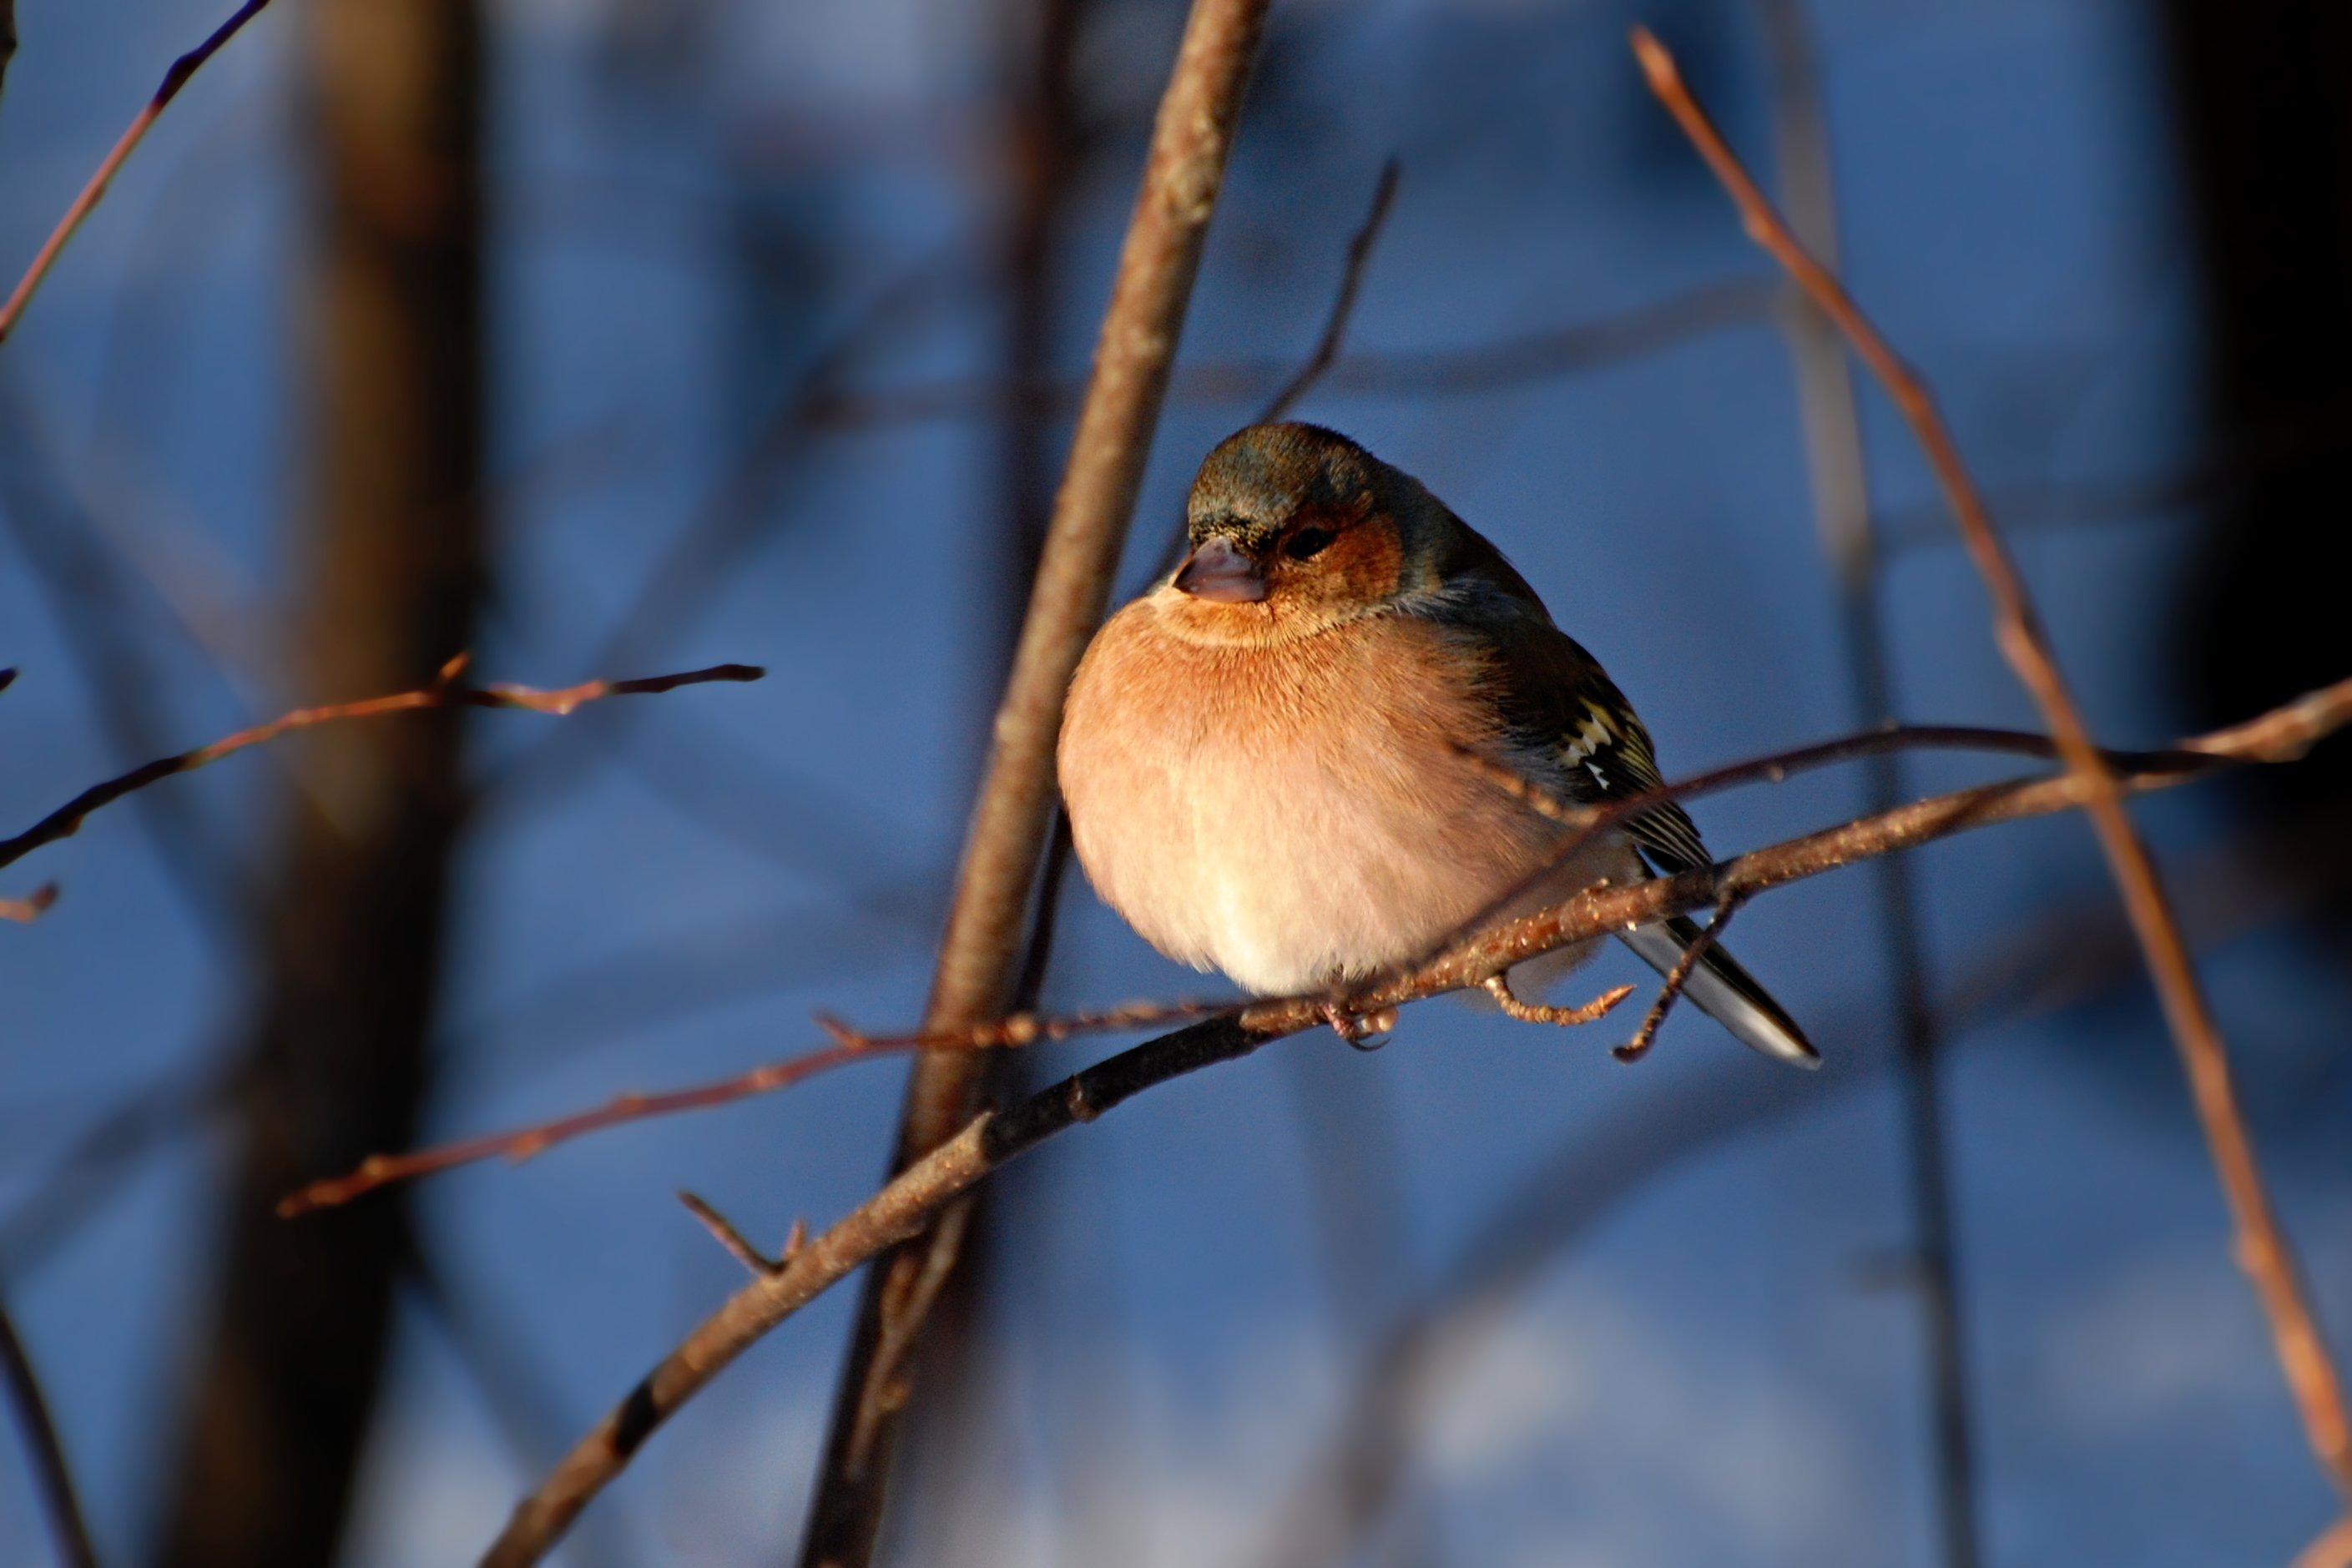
<point x="1293" y="814"/>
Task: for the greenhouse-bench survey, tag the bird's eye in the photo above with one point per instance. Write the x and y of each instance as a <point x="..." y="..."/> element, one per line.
<point x="1307" y="543"/>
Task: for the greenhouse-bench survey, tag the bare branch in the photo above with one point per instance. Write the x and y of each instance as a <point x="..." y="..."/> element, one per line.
<point x="979" y="953"/>
<point x="175" y="79"/>
<point x="67" y="820"/>
<point x="1412" y="372"/>
<point x="52" y="1480"/>
<point x="2288" y="732"/>
<point x="744" y="1252"/>
<point x="1677" y="978"/>
<point x="1343" y="304"/>
<point x="991" y="1139"/>
<point x="2262" y="1248"/>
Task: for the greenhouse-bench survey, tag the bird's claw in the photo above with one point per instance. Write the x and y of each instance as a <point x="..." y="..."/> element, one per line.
<point x="1365" y="1032"/>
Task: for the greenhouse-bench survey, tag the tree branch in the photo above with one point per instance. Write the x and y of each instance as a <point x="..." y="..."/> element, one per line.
<point x="1343" y="303"/>
<point x="52" y="1480"/>
<point x="2262" y="1248"/>
<point x="175" y="79"/>
<point x="1025" y="1028"/>
<point x="1409" y="372"/>
<point x="979" y="956"/>
<point x="67" y="820"/>
<point x="993" y="1138"/>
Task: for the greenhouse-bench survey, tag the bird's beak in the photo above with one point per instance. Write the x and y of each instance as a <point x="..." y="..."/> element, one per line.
<point x="1220" y="572"/>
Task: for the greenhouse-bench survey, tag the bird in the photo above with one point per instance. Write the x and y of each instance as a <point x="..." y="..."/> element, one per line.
<point x="1269" y="759"/>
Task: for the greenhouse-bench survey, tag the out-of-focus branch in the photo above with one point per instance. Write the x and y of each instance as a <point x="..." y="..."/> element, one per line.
<point x="175" y="79"/>
<point x="444" y="694"/>
<point x="32" y="906"/>
<point x="7" y="38"/>
<point x="1840" y="490"/>
<point x="51" y="1477"/>
<point x="1343" y="303"/>
<point x="2332" y="1550"/>
<point x="2262" y="1248"/>
<point x="1418" y="372"/>
<point x="991" y="1139"/>
<point x="980" y="952"/>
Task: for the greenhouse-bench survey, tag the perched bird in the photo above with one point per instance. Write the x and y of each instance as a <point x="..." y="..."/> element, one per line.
<point x="1259" y="755"/>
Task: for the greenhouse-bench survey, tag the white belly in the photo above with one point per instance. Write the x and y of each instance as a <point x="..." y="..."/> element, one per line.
<point x="1293" y="816"/>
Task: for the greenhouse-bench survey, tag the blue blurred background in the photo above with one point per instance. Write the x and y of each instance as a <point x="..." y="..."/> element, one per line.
<point x="753" y="278"/>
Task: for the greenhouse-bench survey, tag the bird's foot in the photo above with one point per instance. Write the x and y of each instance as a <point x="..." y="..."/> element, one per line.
<point x="1499" y="987"/>
<point x="1365" y="1032"/>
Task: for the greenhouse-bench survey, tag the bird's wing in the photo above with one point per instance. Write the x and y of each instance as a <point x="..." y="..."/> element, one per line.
<point x="1560" y="704"/>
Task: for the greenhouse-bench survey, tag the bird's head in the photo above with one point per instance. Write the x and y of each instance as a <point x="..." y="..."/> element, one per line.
<point x="1294" y="528"/>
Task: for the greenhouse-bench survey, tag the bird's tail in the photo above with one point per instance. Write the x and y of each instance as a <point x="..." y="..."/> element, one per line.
<point x="1724" y="991"/>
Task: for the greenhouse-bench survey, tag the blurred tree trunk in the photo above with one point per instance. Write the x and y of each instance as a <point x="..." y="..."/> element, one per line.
<point x="352" y="931"/>
<point x="2264" y="109"/>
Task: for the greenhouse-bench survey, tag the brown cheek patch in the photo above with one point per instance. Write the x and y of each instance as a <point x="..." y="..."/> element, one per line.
<point x="1369" y="560"/>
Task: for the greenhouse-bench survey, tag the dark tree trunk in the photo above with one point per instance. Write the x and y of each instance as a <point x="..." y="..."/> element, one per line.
<point x="354" y="927"/>
<point x="2264" y="106"/>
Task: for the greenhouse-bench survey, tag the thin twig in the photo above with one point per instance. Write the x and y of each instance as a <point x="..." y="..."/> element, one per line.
<point x="51" y="1477"/>
<point x="1028" y="1028"/>
<point x="175" y="79"/>
<point x="1469" y="371"/>
<point x="2262" y="1247"/>
<point x="1343" y="304"/>
<point x="1676" y="979"/>
<point x="381" y="1170"/>
<point x="66" y="819"/>
<point x="991" y="1139"/>
<point x="737" y="1246"/>
<point x="979" y="958"/>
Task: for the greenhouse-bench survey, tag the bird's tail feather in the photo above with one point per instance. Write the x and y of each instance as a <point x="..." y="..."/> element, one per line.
<point x="1724" y="991"/>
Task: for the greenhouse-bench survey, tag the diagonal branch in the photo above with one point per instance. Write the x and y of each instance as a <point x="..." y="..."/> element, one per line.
<point x="979" y="958"/>
<point x="52" y="1480"/>
<point x="1343" y="303"/>
<point x="175" y="79"/>
<point x="2262" y="1248"/>
<point x="67" y="820"/>
<point x="991" y="1139"/>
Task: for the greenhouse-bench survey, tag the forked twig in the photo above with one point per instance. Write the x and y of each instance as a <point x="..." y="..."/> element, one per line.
<point x="2262" y="1249"/>
<point x="741" y="1249"/>
<point x="1677" y="978"/>
<point x="443" y="693"/>
<point x="175" y="79"/>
